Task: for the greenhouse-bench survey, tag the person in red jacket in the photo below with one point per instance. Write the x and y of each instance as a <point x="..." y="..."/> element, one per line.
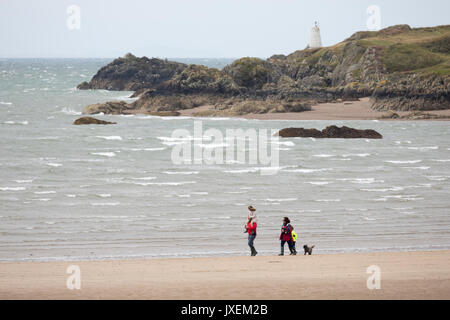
<point x="250" y="228"/>
<point x="286" y="236"/>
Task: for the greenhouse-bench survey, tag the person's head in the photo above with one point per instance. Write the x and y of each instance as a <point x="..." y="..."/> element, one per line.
<point x="286" y="220"/>
<point x="251" y="209"/>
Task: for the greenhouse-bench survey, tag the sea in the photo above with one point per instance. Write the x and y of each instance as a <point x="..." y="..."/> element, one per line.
<point x="113" y="192"/>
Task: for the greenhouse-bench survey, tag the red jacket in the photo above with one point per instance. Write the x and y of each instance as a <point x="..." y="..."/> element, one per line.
<point x="251" y="227"/>
<point x="286" y="232"/>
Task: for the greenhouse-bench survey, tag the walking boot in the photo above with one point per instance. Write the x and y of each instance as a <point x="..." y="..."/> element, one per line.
<point x="282" y="252"/>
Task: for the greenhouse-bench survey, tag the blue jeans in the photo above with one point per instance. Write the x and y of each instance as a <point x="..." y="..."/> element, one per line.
<point x="251" y="238"/>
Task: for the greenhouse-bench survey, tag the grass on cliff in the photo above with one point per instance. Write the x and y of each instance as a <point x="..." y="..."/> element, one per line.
<point x="408" y="57"/>
<point x="424" y="50"/>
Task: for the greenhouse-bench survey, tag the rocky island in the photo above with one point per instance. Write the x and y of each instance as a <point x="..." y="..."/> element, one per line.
<point x="398" y="68"/>
<point x="330" y="132"/>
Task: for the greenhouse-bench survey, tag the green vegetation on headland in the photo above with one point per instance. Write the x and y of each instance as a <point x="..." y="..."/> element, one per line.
<point x="400" y="68"/>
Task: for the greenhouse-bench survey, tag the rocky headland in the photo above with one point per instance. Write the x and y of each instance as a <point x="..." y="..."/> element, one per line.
<point x="399" y="68"/>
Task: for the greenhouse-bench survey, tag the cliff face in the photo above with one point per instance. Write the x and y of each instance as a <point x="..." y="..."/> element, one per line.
<point x="398" y="67"/>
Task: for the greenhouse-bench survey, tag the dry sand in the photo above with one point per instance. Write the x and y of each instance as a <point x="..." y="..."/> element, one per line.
<point x="348" y="110"/>
<point x="404" y="275"/>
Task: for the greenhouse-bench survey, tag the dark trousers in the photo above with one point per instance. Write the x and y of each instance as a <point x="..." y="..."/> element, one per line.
<point x="289" y="242"/>
<point x="251" y="239"/>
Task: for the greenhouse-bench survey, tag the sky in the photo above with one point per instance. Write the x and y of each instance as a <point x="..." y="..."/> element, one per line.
<point x="195" y="28"/>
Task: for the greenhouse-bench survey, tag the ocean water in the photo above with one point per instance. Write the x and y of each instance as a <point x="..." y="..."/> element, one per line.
<point x="101" y="192"/>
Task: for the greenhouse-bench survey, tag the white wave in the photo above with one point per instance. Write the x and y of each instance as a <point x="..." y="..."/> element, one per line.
<point x="441" y="160"/>
<point x="412" y="197"/>
<point x="323" y="155"/>
<point x="47" y="138"/>
<point x="42" y="199"/>
<point x="250" y="170"/>
<point x="284" y="149"/>
<point x="384" y="189"/>
<point x="213" y="145"/>
<point x="104" y="154"/>
<point x="356" y="155"/>
<point x="185" y="219"/>
<point x="360" y="180"/>
<point x="184" y="195"/>
<point x="145" y="149"/>
<point x="110" y="137"/>
<point x="403" y="161"/>
<point x="51" y="164"/>
<point x="188" y="138"/>
<point x="284" y="143"/>
<point x="24" y="181"/>
<point x="181" y="172"/>
<point x="308" y="170"/>
<point x="12" y="188"/>
<point x="104" y="195"/>
<point x="45" y="192"/>
<point x="417" y="168"/>
<point x="200" y="193"/>
<point x="319" y="183"/>
<point x="234" y="162"/>
<point x="165" y="183"/>
<point x="71" y="195"/>
<point x="280" y="200"/>
<point x="144" y="178"/>
<point x="424" y="148"/>
<point x="5" y="103"/>
<point x="438" y="178"/>
<point x="23" y="123"/>
<point x="328" y="200"/>
<point x="127" y="98"/>
<point x="173" y="143"/>
<point x="70" y="111"/>
<point x="105" y="204"/>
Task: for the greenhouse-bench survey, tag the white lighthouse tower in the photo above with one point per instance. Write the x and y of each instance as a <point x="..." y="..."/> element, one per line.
<point x="315" y="41"/>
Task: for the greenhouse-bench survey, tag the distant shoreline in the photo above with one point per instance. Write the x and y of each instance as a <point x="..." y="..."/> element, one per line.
<point x="404" y="275"/>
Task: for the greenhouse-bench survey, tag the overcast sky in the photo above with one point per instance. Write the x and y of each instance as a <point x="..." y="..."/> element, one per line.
<point x="194" y="28"/>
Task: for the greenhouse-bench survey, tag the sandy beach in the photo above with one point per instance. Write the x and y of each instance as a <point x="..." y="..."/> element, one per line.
<point x="404" y="275"/>
<point x="347" y="110"/>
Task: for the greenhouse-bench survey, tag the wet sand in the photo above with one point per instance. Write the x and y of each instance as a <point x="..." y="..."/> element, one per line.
<point x="404" y="275"/>
<point x="347" y="110"/>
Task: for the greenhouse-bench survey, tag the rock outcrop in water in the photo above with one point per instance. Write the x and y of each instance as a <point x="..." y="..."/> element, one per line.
<point x="90" y="120"/>
<point x="400" y="68"/>
<point x="330" y="132"/>
<point x="131" y="73"/>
